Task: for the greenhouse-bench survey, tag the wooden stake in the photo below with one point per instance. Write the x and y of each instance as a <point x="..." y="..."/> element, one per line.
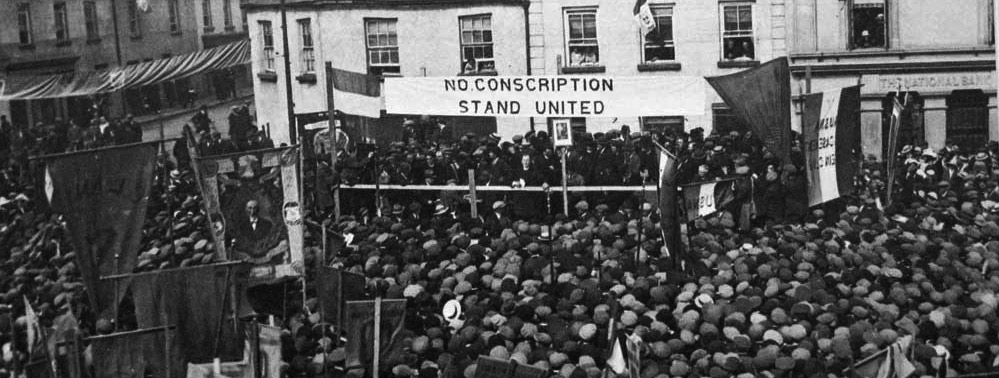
<point x="378" y="334"/>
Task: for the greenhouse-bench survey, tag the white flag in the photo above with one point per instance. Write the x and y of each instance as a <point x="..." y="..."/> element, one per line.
<point x="643" y="13"/>
<point x="49" y="186"/>
<point x="143" y="5"/>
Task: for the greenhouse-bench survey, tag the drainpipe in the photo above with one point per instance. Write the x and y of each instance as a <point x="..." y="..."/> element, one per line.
<point x="527" y="43"/>
<point x="292" y="127"/>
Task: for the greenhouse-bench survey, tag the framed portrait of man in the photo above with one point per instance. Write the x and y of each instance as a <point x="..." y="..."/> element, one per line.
<point x="563" y="132"/>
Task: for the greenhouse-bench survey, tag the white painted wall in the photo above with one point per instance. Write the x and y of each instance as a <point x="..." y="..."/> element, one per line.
<point x="428" y="46"/>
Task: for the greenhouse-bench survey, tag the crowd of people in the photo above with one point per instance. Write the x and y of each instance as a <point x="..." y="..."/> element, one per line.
<point x="765" y="287"/>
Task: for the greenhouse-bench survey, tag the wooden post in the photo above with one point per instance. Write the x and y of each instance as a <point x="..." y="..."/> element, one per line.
<point x="378" y="336"/>
<point x="473" y="202"/>
<point x="166" y="343"/>
<point x="325" y="245"/>
<point x="565" y="184"/>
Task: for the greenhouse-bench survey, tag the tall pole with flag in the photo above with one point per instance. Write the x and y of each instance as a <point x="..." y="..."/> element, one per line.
<point x="890" y="158"/>
<point x="670" y="221"/>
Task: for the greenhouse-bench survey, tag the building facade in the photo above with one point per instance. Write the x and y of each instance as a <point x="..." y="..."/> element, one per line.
<point x="380" y="37"/>
<point x="222" y="22"/>
<point x="940" y="55"/>
<point x="692" y="38"/>
<point x="55" y="36"/>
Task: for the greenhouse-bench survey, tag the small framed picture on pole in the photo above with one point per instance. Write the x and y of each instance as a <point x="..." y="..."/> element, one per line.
<point x="563" y="132"/>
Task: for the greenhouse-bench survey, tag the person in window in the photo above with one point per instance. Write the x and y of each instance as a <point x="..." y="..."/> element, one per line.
<point x="469" y="66"/>
<point x="730" y="53"/>
<point x="745" y="51"/>
<point x="865" y="39"/>
<point x="576" y="58"/>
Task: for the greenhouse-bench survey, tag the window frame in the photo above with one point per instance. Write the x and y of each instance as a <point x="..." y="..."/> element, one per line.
<point x="307" y="40"/>
<point x="227" y="14"/>
<point x="670" y="43"/>
<point x="173" y="16"/>
<point x="569" y="42"/>
<point x="60" y="20"/>
<point x="378" y="69"/>
<point x="206" y="15"/>
<point x="267" y="44"/>
<point x="738" y="33"/>
<point x="25" y="33"/>
<point x="661" y="123"/>
<point x="851" y="39"/>
<point x="462" y="45"/>
<point x="134" y="20"/>
<point x="91" y="20"/>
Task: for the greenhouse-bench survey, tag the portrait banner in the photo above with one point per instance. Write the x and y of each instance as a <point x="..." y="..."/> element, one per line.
<point x="253" y="200"/>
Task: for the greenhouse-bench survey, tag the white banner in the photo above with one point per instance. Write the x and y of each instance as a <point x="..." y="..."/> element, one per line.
<point x="827" y="146"/>
<point x="546" y="96"/>
<point x="706" y="200"/>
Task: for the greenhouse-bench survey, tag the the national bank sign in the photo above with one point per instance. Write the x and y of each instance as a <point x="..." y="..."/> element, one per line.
<point x="546" y="96"/>
<point x="929" y="82"/>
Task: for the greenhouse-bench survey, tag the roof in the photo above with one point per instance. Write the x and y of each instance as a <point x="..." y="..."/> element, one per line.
<point x="375" y="3"/>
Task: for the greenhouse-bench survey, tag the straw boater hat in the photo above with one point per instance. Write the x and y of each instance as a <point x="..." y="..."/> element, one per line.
<point x="440" y="209"/>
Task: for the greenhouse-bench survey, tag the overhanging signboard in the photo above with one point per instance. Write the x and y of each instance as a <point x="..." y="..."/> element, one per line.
<point x="546" y="96"/>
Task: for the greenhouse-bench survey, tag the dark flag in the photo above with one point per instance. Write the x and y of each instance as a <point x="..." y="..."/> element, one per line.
<point x="831" y="128"/>
<point x="103" y="195"/>
<point x="706" y="198"/>
<point x="334" y="288"/>
<point x="360" y="323"/>
<point x="896" y="124"/>
<point x="761" y="98"/>
<point x="197" y="300"/>
<point x="667" y="203"/>
<point x="356" y="93"/>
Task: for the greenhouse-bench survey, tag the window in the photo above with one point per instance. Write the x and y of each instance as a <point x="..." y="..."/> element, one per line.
<point x="968" y="119"/>
<point x="246" y="25"/>
<point x="227" y="13"/>
<point x="206" y="15"/>
<point x="868" y="26"/>
<point x="90" y="19"/>
<point x="383" y="46"/>
<point x="724" y="121"/>
<point x="24" y="23"/>
<point x="476" y="43"/>
<point x="61" y="22"/>
<point x="267" y="35"/>
<point x="991" y="38"/>
<point x="737" y="32"/>
<point x="659" y="42"/>
<point x="174" y="9"/>
<point x="672" y="125"/>
<point x="308" y="54"/>
<point x="134" y="20"/>
<point x="581" y="40"/>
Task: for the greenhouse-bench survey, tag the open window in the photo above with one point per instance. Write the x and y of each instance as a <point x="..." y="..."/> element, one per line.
<point x="868" y="24"/>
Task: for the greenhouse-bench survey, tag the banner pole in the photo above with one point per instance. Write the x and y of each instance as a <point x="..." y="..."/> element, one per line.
<point x="473" y="202"/>
<point x="377" y="336"/>
<point x="565" y="184"/>
<point x="331" y="112"/>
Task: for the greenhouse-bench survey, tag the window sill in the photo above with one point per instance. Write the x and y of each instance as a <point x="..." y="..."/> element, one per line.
<point x="306" y="78"/>
<point x="210" y="29"/>
<point x="64" y="43"/>
<point x="93" y="41"/>
<point x="26" y="47"/>
<point x="584" y="69"/>
<point x="230" y="28"/>
<point x="480" y="73"/>
<point x="136" y="37"/>
<point x="738" y="63"/>
<point x="175" y="33"/>
<point x="659" y="66"/>
<point x="268" y="76"/>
